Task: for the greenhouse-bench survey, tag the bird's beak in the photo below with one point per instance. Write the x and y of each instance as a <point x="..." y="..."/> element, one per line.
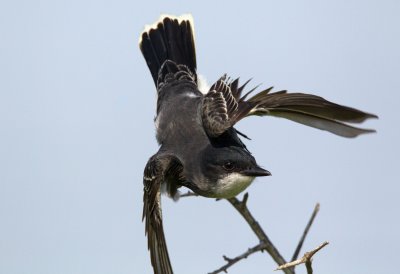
<point x="255" y="172"/>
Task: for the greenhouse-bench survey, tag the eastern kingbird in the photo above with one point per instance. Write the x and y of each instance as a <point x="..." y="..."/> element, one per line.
<point x="199" y="147"/>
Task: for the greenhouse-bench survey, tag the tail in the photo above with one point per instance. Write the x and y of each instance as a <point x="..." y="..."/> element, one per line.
<point x="170" y="38"/>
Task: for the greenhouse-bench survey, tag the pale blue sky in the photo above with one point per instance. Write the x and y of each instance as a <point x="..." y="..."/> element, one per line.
<point x="76" y="129"/>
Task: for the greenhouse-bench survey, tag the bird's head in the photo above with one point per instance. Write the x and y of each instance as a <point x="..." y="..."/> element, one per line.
<point x="229" y="170"/>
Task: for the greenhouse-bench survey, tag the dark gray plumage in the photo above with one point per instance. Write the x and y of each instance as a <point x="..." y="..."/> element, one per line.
<point x="199" y="147"/>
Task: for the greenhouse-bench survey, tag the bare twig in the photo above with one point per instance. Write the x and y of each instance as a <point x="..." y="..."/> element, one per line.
<point x="241" y="207"/>
<point x="265" y="242"/>
<point x="309" y="267"/>
<point x="232" y="261"/>
<point x="188" y="194"/>
<point x="305" y="259"/>
<point x="303" y="237"/>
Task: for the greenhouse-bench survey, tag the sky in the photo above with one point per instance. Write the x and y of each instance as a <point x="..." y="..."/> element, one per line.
<point x="77" y="104"/>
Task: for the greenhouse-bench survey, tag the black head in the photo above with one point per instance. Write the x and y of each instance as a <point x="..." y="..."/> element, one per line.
<point x="218" y="162"/>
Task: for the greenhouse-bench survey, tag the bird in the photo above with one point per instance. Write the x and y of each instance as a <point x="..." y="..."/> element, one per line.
<point x="199" y="147"/>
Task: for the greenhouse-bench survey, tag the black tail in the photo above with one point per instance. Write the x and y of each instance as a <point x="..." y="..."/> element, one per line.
<point x="171" y="38"/>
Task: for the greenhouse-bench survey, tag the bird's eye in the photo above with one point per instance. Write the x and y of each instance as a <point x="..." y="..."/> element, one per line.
<point x="229" y="166"/>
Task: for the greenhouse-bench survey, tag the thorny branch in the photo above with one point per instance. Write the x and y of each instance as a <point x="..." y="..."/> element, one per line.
<point x="241" y="207"/>
<point x="306" y="259"/>
<point x="310" y="222"/>
<point x="188" y="194"/>
<point x="265" y="242"/>
<point x="232" y="261"/>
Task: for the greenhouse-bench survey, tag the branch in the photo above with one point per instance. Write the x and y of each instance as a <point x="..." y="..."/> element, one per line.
<point x="188" y="194"/>
<point x="265" y="242"/>
<point x="303" y="237"/>
<point x="232" y="261"/>
<point x="305" y="259"/>
<point x="241" y="207"/>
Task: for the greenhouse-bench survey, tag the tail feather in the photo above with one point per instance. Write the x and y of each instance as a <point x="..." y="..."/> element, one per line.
<point x="170" y="38"/>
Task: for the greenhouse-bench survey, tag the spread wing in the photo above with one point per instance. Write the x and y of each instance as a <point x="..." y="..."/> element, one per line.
<point x="153" y="176"/>
<point x="224" y="106"/>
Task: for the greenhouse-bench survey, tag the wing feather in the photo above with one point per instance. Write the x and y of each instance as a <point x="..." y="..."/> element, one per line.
<point x="322" y="123"/>
<point x="152" y="179"/>
<point x="224" y="106"/>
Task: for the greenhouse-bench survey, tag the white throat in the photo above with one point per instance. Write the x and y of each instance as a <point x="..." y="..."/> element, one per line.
<point x="232" y="185"/>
